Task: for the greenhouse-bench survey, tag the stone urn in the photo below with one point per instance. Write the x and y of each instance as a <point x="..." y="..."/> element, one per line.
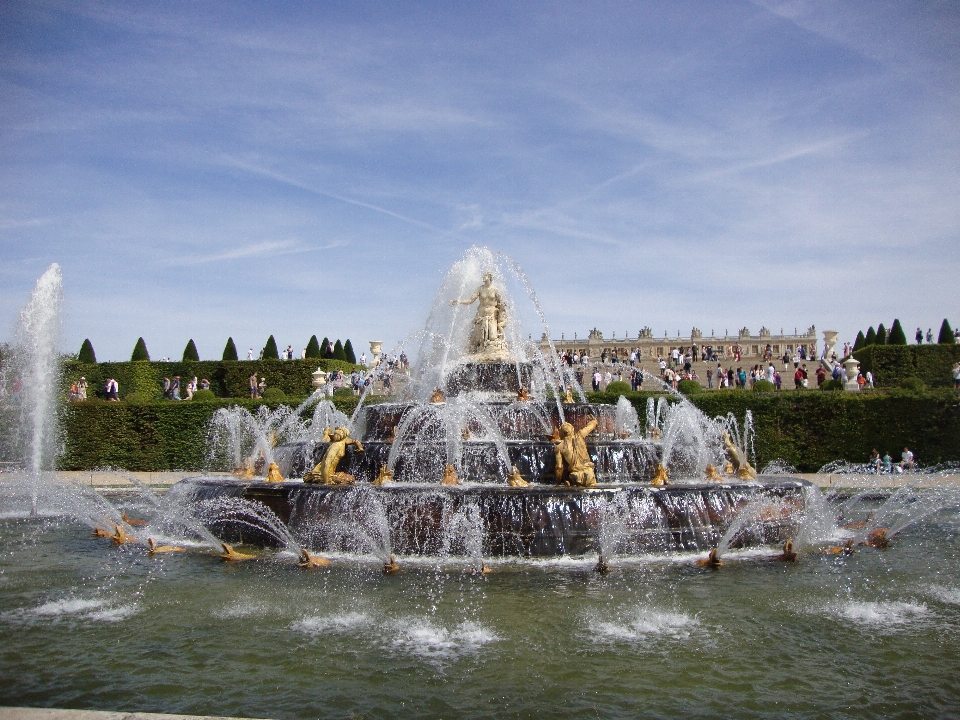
<point x="319" y="378"/>
<point x="852" y="368"/>
<point x="376" y="350"/>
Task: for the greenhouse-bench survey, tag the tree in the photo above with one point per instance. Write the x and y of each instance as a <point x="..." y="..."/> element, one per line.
<point x="140" y="351"/>
<point x="946" y="334"/>
<point x="86" y="354"/>
<point x="881" y="335"/>
<point x="897" y="336"/>
<point x="230" y="350"/>
<point x="338" y="353"/>
<point x="348" y="352"/>
<point x="270" y="351"/>
<point x="190" y="352"/>
<point x="324" y="352"/>
<point x="313" y="348"/>
<point x="860" y="342"/>
<point x="871" y="338"/>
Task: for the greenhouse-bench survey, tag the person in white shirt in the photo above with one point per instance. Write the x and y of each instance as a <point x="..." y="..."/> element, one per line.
<point x="250" y="354"/>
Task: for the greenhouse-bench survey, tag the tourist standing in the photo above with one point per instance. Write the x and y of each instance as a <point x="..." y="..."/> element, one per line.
<point x="869" y="377"/>
<point x="956" y="376"/>
<point x="82" y="389"/>
<point x="175" y="388"/>
<point x="919" y="336"/>
<point x="253" y="384"/>
<point x="250" y="354"/>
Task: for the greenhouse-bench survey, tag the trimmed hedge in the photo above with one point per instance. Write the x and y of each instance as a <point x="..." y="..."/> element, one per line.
<point x="892" y="364"/>
<point x="809" y="429"/>
<point x="146" y="437"/>
<point x="227" y="378"/>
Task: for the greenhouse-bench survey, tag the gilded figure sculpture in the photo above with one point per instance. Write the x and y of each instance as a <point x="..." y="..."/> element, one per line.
<point x="154" y="549"/>
<point x="568" y="396"/>
<point x="384" y="476"/>
<point x="515" y="479"/>
<point x="450" y="476"/>
<point x="712" y="474"/>
<point x="273" y="473"/>
<point x="231" y="555"/>
<point x="572" y="461"/>
<point x="326" y="471"/>
<point x="522" y="395"/>
<point x="438" y="396"/>
<point x="737" y="462"/>
<point x="660" y="476"/>
<point x="309" y="561"/>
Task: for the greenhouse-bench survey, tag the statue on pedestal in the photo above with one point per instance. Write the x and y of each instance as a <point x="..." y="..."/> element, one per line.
<point x="326" y="470"/>
<point x="488" y="343"/>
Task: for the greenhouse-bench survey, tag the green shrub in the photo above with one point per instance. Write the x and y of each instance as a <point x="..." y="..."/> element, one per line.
<point x="313" y="348"/>
<point x="270" y="351"/>
<point x="831" y="385"/>
<point x="914" y="384"/>
<point x="138" y="398"/>
<point x="190" y="352"/>
<point x="230" y="351"/>
<point x="338" y="353"/>
<point x="324" y="353"/>
<point x="881" y="335"/>
<point x="274" y="394"/>
<point x="689" y="387"/>
<point x="348" y="353"/>
<point x="764" y="386"/>
<point x="618" y="388"/>
<point x="897" y="336"/>
<point x="871" y="338"/>
<point x="86" y="354"/>
<point x="204" y="396"/>
<point x="890" y="364"/>
<point x="343" y="392"/>
<point x="860" y="342"/>
<point x="140" y="351"/>
<point x="946" y="334"/>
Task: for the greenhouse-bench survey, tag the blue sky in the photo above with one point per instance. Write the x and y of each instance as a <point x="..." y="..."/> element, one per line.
<point x="202" y="170"/>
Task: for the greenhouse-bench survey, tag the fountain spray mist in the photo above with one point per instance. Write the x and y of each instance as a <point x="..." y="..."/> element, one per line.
<point x="36" y="363"/>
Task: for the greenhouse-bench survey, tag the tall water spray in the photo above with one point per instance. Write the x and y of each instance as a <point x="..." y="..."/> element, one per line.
<point x="36" y="368"/>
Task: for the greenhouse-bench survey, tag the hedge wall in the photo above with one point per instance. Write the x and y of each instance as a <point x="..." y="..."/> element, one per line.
<point x="810" y="429"/>
<point x="227" y="378"/>
<point x="891" y="364"/>
<point x="146" y="437"/>
<point x="807" y="429"/>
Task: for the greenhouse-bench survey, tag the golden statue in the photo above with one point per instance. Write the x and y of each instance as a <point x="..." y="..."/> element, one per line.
<point x="522" y="395"/>
<point x="712" y="474"/>
<point x="728" y="468"/>
<point x="438" y="396"/>
<point x="654" y="433"/>
<point x="488" y="342"/>
<point x="231" y="555"/>
<point x="482" y="570"/>
<point x="309" y="560"/>
<point x="712" y="560"/>
<point x="450" y="476"/>
<point x="465" y="433"/>
<point x="602" y="566"/>
<point x="326" y="435"/>
<point x="384" y="476"/>
<point x="155" y="549"/>
<point x="245" y="471"/>
<point x="738" y="463"/>
<point x="120" y="536"/>
<point x="326" y="470"/>
<point x="660" y="476"/>
<point x="273" y="473"/>
<point x="555" y="437"/>
<point x="568" y="396"/>
<point x="572" y="461"/>
<point x="101" y="533"/>
<point x="788" y="554"/>
<point x="132" y="522"/>
<point x="515" y="479"/>
<point x="391" y="567"/>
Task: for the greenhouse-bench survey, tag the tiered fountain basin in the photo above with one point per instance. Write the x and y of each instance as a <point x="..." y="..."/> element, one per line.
<point x="498" y="520"/>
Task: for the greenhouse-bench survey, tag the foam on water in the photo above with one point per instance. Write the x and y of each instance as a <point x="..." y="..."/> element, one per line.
<point x="642" y="624"/>
<point x="332" y="624"/>
<point x="948" y="595"/>
<point x="884" y="613"/>
<point x="96" y="609"/>
<point x="246" y="607"/>
<point x="427" y="639"/>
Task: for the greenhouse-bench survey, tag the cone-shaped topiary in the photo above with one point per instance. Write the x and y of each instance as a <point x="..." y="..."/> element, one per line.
<point x="140" y="351"/>
<point x="348" y="352"/>
<point x="230" y="350"/>
<point x="881" y="335"/>
<point x="946" y="334"/>
<point x="871" y="338"/>
<point x="338" y="353"/>
<point x="313" y="348"/>
<point x="325" y="352"/>
<point x="86" y="354"/>
<point x="270" y="350"/>
<point x="897" y="336"/>
<point x="190" y="352"/>
<point x="859" y="342"/>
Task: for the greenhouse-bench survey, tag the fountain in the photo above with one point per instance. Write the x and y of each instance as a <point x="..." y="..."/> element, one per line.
<point x="486" y="431"/>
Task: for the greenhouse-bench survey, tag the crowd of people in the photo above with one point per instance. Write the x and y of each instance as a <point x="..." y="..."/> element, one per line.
<point x="885" y="464"/>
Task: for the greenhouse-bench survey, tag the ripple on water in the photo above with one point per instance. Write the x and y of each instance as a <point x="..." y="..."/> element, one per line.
<point x="891" y="614"/>
<point x="427" y="639"/>
<point x="642" y="625"/>
<point x="334" y="624"/>
<point x="947" y="595"/>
